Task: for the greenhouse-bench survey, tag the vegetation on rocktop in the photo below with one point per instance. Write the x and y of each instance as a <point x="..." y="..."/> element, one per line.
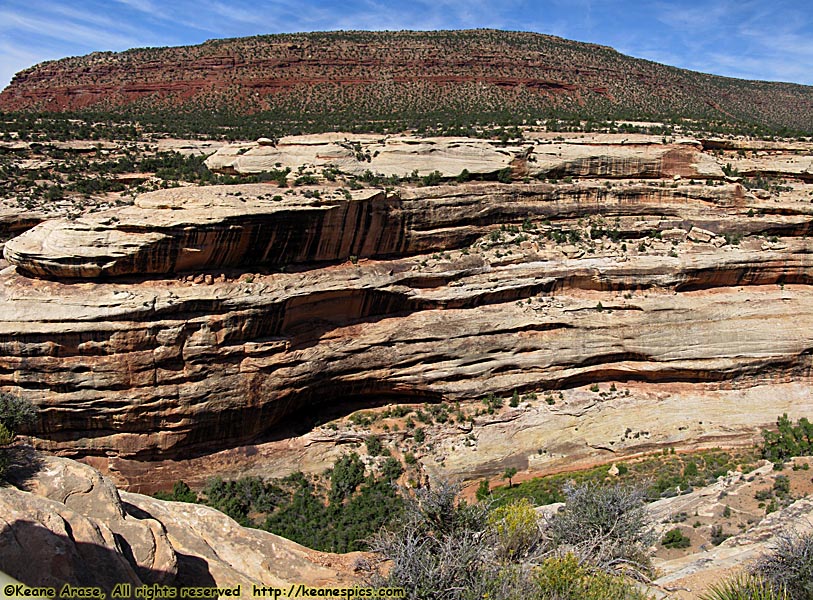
<point x="383" y="80"/>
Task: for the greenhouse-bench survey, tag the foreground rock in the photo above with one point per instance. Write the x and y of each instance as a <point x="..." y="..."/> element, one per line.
<point x="68" y="524"/>
<point x="65" y="516"/>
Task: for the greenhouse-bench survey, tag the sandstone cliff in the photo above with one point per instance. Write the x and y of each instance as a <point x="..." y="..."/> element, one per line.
<point x="205" y="318"/>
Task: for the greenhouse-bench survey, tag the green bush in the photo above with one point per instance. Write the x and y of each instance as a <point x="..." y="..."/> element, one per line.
<point x="338" y="514"/>
<point x="788" y="441"/>
<point x="517" y="529"/>
<point x="718" y="536"/>
<point x="566" y="578"/>
<point x="346" y="476"/>
<point x="374" y="445"/>
<point x="674" y="538"/>
<point x="483" y="490"/>
<point x="505" y="175"/>
<point x="464" y="176"/>
<point x="434" y="178"/>
<point x="15" y="413"/>
<point x="181" y="492"/>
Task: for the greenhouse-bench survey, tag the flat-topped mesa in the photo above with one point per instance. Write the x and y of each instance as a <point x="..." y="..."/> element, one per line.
<point x="323" y="78"/>
<point x="204" y="228"/>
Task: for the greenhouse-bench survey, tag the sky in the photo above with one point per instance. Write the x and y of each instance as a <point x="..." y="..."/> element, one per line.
<point x="752" y="39"/>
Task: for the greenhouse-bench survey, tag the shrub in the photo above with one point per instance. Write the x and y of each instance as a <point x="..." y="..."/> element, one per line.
<point x="464" y="176"/>
<point x="517" y="529"/>
<point x="443" y="549"/>
<point x="483" y="490"/>
<point x="788" y="441"/>
<point x="565" y="578"/>
<point x="374" y="445"/>
<point x="781" y="485"/>
<point x="607" y="525"/>
<point x="438" y="549"/>
<point x="391" y="469"/>
<point x="504" y="175"/>
<point x="15" y="413"/>
<point x="433" y="178"/>
<point x="744" y="587"/>
<point x="789" y="566"/>
<point x="718" y="536"/>
<point x="181" y="492"/>
<point x="347" y="475"/>
<point x="674" y="538"/>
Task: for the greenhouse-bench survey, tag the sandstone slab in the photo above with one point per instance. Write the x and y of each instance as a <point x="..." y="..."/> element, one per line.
<point x="65" y="523"/>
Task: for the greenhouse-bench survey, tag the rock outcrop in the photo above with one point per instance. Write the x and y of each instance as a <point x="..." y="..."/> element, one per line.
<point x="688" y="573"/>
<point x="66" y="524"/>
<point x="401" y="156"/>
<point x="193" y="228"/>
<point x="60" y="517"/>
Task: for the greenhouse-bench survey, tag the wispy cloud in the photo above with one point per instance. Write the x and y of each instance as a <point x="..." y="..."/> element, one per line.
<point x="146" y="6"/>
<point x="58" y="29"/>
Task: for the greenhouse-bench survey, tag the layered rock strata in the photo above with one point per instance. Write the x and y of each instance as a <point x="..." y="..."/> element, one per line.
<point x="190" y="229"/>
<point x="170" y="368"/>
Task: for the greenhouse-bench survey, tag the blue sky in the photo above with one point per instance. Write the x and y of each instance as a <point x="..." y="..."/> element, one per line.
<point x="753" y="39"/>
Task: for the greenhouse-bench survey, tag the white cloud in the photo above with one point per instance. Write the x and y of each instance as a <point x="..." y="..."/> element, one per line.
<point x="58" y="29"/>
